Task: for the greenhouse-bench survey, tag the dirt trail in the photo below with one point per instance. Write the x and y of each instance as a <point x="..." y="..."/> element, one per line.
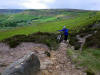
<point x="57" y="64"/>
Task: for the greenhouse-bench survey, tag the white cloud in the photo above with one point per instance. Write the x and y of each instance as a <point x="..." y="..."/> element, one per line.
<point x="77" y="4"/>
<point x="36" y="4"/>
<point x="44" y="4"/>
<point x="11" y="4"/>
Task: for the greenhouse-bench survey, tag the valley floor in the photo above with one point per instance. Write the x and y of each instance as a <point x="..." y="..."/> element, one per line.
<point x="56" y="64"/>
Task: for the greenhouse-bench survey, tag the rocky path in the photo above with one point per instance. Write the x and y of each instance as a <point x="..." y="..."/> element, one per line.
<point x="9" y="55"/>
<point x="57" y="64"/>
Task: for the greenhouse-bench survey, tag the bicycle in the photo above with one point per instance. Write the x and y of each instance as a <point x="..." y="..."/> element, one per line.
<point x="60" y="37"/>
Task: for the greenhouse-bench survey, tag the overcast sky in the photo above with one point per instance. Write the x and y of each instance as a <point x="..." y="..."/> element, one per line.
<point x="50" y="4"/>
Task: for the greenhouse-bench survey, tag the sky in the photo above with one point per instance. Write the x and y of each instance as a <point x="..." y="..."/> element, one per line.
<point x="50" y="4"/>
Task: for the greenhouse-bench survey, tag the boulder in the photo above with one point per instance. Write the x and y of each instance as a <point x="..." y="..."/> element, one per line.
<point x="28" y="65"/>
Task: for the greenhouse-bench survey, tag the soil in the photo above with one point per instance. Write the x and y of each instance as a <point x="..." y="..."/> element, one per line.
<point x="56" y="64"/>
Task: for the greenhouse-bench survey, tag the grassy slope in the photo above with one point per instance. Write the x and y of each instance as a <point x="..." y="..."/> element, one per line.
<point x="38" y="16"/>
<point x="75" y="24"/>
<point x="88" y="58"/>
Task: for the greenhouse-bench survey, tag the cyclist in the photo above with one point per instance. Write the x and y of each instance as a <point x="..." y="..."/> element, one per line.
<point x="65" y="32"/>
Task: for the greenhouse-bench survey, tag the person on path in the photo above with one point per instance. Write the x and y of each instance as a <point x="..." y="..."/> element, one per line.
<point x="65" y="33"/>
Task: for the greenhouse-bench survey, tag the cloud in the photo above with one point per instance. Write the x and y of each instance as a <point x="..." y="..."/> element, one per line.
<point x="76" y="4"/>
<point x="45" y="4"/>
<point x="11" y="4"/>
<point x="37" y="4"/>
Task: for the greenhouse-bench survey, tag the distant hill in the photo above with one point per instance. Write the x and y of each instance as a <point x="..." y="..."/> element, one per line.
<point x="20" y="17"/>
<point x="11" y="10"/>
<point x="52" y="11"/>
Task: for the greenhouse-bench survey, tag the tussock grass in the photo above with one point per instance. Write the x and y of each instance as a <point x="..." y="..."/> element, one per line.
<point x="40" y="37"/>
<point x="88" y="58"/>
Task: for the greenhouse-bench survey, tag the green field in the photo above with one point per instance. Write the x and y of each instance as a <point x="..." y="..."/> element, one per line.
<point x="89" y="59"/>
<point x="45" y="23"/>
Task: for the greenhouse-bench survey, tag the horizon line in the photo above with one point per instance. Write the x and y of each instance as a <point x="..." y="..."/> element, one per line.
<point x="47" y="9"/>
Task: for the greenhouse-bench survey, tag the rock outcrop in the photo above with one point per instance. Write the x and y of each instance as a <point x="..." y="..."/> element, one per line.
<point x="28" y="65"/>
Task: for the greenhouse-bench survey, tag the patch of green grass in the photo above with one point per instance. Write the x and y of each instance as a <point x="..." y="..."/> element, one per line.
<point x="89" y="58"/>
<point x="21" y="16"/>
<point x="47" y="19"/>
